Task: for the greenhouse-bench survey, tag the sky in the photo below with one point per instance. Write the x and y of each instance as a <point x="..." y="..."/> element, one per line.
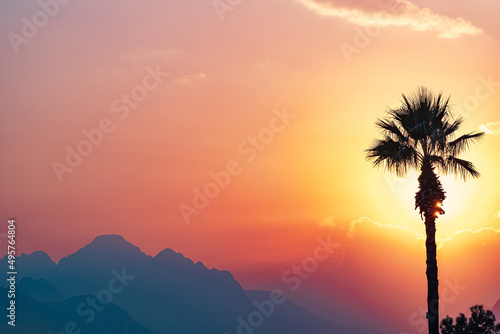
<point x="234" y="132"/>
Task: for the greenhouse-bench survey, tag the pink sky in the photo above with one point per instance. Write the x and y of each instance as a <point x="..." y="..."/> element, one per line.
<point x="227" y="79"/>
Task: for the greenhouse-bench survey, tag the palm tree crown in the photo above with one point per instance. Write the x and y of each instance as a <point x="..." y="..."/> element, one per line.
<point x="422" y="131"/>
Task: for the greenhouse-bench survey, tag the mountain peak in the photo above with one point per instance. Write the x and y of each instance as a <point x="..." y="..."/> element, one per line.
<point x="36" y="259"/>
<point x="170" y="253"/>
<point x="112" y="243"/>
<point x="40" y="256"/>
<point x="107" y="246"/>
<point x="178" y="260"/>
<point x="115" y="239"/>
<point x="172" y="256"/>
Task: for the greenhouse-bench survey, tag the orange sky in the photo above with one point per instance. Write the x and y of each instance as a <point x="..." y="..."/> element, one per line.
<point x="227" y="79"/>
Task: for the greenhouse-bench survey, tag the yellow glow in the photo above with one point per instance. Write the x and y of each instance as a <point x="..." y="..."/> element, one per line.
<point x="459" y="196"/>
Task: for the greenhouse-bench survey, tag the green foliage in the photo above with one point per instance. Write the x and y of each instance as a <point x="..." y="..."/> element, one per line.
<point x="481" y="321"/>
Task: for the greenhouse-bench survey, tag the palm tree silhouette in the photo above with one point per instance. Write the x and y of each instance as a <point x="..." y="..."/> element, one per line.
<point x="420" y="135"/>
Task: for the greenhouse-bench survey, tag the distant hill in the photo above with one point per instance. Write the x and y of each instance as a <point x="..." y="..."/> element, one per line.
<point x="43" y="318"/>
<point x="167" y="293"/>
<point x="39" y="289"/>
<point x="299" y="320"/>
<point x="496" y="310"/>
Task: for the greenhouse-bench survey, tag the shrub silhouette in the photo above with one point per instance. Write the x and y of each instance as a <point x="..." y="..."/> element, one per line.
<point x="481" y="321"/>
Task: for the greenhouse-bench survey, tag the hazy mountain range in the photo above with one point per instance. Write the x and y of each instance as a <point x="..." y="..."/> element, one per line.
<point x="110" y="286"/>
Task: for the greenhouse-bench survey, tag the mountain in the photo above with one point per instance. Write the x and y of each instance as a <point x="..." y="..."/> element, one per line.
<point x="111" y="319"/>
<point x="34" y="265"/>
<point x="39" y="289"/>
<point x="496" y="310"/>
<point x="300" y="320"/>
<point x="168" y="293"/>
<point x="35" y="317"/>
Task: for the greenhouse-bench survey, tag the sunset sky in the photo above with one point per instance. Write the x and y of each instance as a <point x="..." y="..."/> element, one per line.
<point x="285" y="92"/>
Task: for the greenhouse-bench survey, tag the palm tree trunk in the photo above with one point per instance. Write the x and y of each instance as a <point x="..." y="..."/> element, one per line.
<point x="432" y="275"/>
<point x="427" y="199"/>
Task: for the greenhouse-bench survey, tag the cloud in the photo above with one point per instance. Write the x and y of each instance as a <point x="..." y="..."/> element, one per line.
<point x="459" y="233"/>
<point x="376" y="264"/>
<point x="497" y="215"/>
<point x="492" y="128"/>
<point x="352" y="229"/>
<point x="364" y="220"/>
<point x="192" y="77"/>
<point x="398" y="13"/>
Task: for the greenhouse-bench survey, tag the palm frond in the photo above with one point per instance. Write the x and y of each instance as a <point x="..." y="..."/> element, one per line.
<point x="392" y="130"/>
<point x="462" y="143"/>
<point x="396" y="157"/>
<point x="450" y="128"/>
<point x="461" y="168"/>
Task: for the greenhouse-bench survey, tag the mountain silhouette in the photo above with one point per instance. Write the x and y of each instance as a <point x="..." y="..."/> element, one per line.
<point x="34" y="265"/>
<point x="168" y="293"/>
<point x="35" y="317"/>
<point x="40" y="290"/>
<point x="300" y="320"/>
<point x="496" y="310"/>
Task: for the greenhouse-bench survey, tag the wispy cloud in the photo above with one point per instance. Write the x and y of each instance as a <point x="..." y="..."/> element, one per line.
<point x="398" y="13"/>
<point x="497" y="215"/>
<point x="492" y="128"/>
<point x="468" y="230"/>
<point x="364" y="220"/>
<point x="351" y="229"/>
<point x="192" y="77"/>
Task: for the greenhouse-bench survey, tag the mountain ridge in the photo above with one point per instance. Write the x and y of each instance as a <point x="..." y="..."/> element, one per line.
<point x="167" y="293"/>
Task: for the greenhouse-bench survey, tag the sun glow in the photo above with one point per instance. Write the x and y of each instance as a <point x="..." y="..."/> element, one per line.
<point x="458" y="196"/>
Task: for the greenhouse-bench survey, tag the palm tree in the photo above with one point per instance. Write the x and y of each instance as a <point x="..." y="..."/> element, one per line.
<point x="420" y="135"/>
